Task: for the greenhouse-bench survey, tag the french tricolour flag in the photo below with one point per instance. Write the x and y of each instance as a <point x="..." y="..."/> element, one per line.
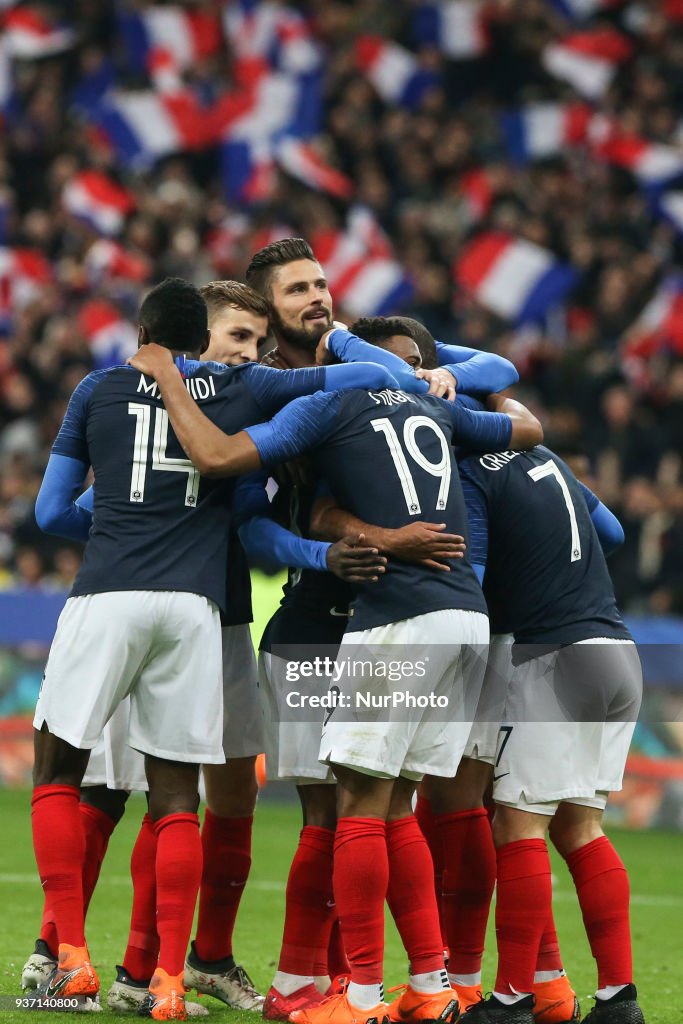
<point x="269" y="36"/>
<point x="580" y="10"/>
<point x="300" y="159"/>
<point x="587" y="60"/>
<point x="183" y="36"/>
<point x="100" y="201"/>
<point x="28" y="34"/>
<point x="660" y="325"/>
<point x="251" y="130"/>
<point x="514" y="278"/>
<point x="106" y="259"/>
<point x="364" y="277"/>
<point x="670" y="206"/>
<point x="143" y="126"/>
<point x="455" y="27"/>
<point x="394" y="71"/>
<point x="541" y="130"/>
<point x="112" y="338"/>
<point x="476" y="192"/>
<point x="23" y="274"/>
<point x="652" y="163"/>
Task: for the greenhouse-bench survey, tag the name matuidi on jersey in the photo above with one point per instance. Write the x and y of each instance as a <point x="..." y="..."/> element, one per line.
<point x="199" y="387"/>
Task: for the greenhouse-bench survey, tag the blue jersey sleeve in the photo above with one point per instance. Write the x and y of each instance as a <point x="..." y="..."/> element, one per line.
<point x="71" y="439"/>
<point x="302" y="425"/>
<point x="480" y="431"/>
<point x="250" y="497"/>
<point x="86" y="501"/>
<point x="477" y="372"/>
<point x="274" y="388"/>
<point x="265" y="540"/>
<point x="608" y="528"/>
<point x="478" y="523"/>
<point x="56" y="511"/>
<point x="352" y="349"/>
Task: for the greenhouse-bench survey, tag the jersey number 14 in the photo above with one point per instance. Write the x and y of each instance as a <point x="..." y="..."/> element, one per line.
<point x="160" y="460"/>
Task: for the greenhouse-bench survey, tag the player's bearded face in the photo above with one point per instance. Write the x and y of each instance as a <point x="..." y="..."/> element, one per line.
<point x="302" y="304"/>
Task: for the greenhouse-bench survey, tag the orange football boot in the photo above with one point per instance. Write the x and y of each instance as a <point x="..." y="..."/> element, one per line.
<point x="556" y="1002"/>
<point x="166" y="999"/>
<point x="338" y="1010"/>
<point x="427" y="1008"/>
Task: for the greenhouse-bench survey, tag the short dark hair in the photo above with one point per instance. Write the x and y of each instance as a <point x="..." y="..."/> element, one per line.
<point x="423" y="339"/>
<point x="265" y="262"/>
<point x="174" y="315"/>
<point x="377" y="329"/>
<point x="219" y="294"/>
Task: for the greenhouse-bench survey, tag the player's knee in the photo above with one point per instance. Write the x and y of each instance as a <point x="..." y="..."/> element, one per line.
<point x="173" y="787"/>
<point x="319" y="805"/>
<point x="56" y="762"/>
<point x="231" y="788"/>
<point x="111" y="802"/>
<point x="570" y="835"/>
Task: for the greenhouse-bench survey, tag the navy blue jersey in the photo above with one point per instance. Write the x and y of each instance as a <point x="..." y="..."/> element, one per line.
<point x="238" y="609"/>
<point x="546" y="577"/>
<point x="310" y="593"/>
<point x="159" y="525"/>
<point x="387" y="458"/>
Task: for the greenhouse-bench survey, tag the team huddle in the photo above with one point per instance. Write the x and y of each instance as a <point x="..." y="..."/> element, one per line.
<point x="447" y="677"/>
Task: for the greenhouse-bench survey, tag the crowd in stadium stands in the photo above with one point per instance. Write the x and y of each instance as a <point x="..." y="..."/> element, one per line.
<point x="452" y="157"/>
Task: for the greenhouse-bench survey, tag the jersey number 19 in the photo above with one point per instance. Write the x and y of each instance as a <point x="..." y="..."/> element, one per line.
<point x="441" y="469"/>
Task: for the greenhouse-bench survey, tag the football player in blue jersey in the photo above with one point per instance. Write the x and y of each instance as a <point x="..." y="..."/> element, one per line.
<point x="572" y="701"/>
<point x="360" y="452"/>
<point x="314" y="612"/>
<point x="142" y="614"/>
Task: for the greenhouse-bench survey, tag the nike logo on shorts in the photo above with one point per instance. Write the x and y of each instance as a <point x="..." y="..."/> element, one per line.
<point x="338" y="615"/>
<point x="501" y="776"/>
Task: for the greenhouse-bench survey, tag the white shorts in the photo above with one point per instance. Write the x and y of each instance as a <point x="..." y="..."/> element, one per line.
<point x="446" y="654"/>
<point x="242" y="713"/>
<point x="163" y="648"/>
<point x="482" y="742"/>
<point x="112" y="762"/>
<point x="568" y="724"/>
<point x="292" y="743"/>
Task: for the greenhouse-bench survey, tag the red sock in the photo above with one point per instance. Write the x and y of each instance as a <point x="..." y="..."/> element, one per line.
<point x="178" y="873"/>
<point x="226" y="844"/>
<point x="97" y="830"/>
<point x="602" y="887"/>
<point x="48" y="929"/>
<point x="142" y="952"/>
<point x="361" y="879"/>
<point x="425" y="819"/>
<point x="411" y="896"/>
<point x="468" y="880"/>
<point x="337" y="960"/>
<point x="309" y="905"/>
<point x="549" y="958"/>
<point x="523" y="903"/>
<point x="59" y="848"/>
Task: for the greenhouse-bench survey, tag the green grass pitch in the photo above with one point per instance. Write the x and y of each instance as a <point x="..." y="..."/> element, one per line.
<point x="654" y="860"/>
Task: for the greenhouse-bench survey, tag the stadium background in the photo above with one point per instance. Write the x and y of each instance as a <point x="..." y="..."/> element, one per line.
<point x="509" y="172"/>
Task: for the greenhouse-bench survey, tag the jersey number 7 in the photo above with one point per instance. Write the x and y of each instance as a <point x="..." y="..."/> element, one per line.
<point x="550" y="469"/>
<point x="160" y="460"/>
